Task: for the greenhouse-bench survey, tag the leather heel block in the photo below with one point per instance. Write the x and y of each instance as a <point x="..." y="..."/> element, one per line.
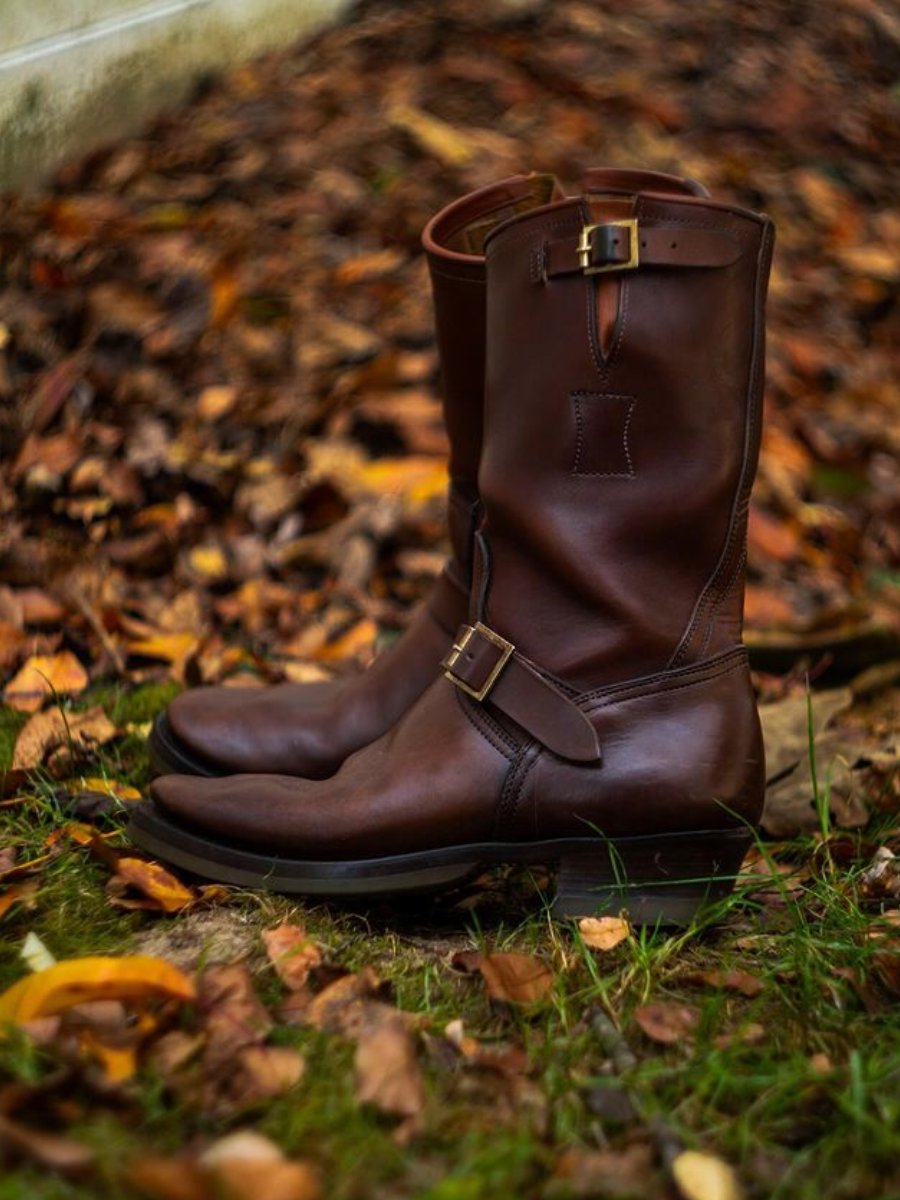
<point x="663" y="880"/>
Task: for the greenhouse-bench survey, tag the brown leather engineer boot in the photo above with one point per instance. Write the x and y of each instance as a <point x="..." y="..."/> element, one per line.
<point x="597" y="711"/>
<point x="309" y="729"/>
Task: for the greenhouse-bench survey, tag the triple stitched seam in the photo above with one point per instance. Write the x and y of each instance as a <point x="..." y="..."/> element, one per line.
<point x="489" y="729"/>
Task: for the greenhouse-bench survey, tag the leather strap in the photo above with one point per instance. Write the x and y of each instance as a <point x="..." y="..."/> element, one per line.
<point x="486" y="666"/>
<point x="629" y="245"/>
<point x="447" y="601"/>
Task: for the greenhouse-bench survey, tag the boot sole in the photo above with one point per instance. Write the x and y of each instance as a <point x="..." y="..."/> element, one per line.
<point x="663" y="879"/>
<point x="169" y="756"/>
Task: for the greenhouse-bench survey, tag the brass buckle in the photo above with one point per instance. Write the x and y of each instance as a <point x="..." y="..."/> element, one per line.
<point x="459" y="647"/>
<point x="583" y="248"/>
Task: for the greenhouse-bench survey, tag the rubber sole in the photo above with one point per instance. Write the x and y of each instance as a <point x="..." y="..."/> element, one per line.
<point x="169" y="756"/>
<point x="662" y="879"/>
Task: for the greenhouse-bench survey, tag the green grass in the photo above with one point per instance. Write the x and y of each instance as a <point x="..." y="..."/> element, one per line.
<point x="793" y="1131"/>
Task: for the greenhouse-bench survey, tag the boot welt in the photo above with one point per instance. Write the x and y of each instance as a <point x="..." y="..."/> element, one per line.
<point x="169" y="756"/>
<point x="658" y="879"/>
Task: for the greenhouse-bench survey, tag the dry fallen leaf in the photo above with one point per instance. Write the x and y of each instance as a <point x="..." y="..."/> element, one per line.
<point x="42" y="676"/>
<point x="157" y="887"/>
<point x="55" y="730"/>
<point x="247" y="1166"/>
<point x="603" y="933"/>
<point x="509" y="977"/>
<point x="138" y="978"/>
<point x="665" y="1022"/>
<point x="733" y="980"/>
<point x="19" y="893"/>
<point x="292" y="954"/>
<point x="387" y="1072"/>
<point x="704" y="1177"/>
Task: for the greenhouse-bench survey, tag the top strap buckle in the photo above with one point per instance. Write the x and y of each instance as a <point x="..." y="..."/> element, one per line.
<point x="600" y="248"/>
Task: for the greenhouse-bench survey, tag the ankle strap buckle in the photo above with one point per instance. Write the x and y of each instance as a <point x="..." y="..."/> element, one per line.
<point x="478" y="689"/>
<point x="602" y="248"/>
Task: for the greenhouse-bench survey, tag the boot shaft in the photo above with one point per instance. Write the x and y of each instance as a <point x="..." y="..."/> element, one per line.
<point x="623" y="407"/>
<point x="454" y="242"/>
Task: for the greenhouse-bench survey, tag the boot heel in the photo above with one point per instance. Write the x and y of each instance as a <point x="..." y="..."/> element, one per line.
<point x="659" y="880"/>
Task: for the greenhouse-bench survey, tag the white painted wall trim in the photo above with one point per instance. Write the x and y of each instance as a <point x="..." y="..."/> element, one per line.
<point x="75" y="74"/>
<point x="59" y="43"/>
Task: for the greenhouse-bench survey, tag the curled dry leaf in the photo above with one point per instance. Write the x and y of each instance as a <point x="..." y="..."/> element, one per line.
<point x="53" y="734"/>
<point x="42" y="676"/>
<point x="292" y="954"/>
<point x="135" y="978"/>
<point x="665" y="1022"/>
<point x="157" y="888"/>
<point x="704" y="1177"/>
<point x="603" y="933"/>
<point x="509" y="977"/>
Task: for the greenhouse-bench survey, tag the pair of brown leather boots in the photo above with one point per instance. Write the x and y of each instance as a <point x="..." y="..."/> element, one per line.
<point x="575" y="692"/>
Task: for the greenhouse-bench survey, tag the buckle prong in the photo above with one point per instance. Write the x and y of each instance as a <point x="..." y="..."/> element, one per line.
<point x="583" y="248"/>
<point x="459" y="647"/>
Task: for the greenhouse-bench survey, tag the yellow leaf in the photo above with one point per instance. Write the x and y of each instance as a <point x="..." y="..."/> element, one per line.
<point x="42" y="676"/>
<point x="156" y="883"/>
<point x="110" y="787"/>
<point x="419" y="478"/>
<point x="174" y="648"/>
<point x="432" y="134"/>
<point x="209" y="563"/>
<point x="358" y="637"/>
<point x="77" y="980"/>
<point x="215" y="402"/>
<point x="703" y="1177"/>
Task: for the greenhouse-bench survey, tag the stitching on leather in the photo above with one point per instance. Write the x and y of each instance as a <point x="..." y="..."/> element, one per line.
<point x="520" y="235"/>
<point x="477" y="719"/>
<point x="645" y="692"/>
<point x="711" y="596"/>
<point x="691" y="672"/>
<point x="577" y="397"/>
<point x="590" y="298"/>
<point x="735" y="575"/>
<point x="508" y="800"/>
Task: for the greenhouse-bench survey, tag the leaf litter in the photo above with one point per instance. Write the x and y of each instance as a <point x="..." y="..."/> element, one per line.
<point x="224" y="462"/>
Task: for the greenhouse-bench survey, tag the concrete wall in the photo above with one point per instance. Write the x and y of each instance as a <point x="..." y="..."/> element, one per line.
<point x="77" y="73"/>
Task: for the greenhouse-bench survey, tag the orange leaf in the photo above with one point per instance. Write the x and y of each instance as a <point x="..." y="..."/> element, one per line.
<point x="603" y="933"/>
<point x="42" y="676"/>
<point x="20" y="893"/>
<point x="513" y="978"/>
<point x="291" y="953"/>
<point x="96" y="978"/>
<point x="154" y="882"/>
